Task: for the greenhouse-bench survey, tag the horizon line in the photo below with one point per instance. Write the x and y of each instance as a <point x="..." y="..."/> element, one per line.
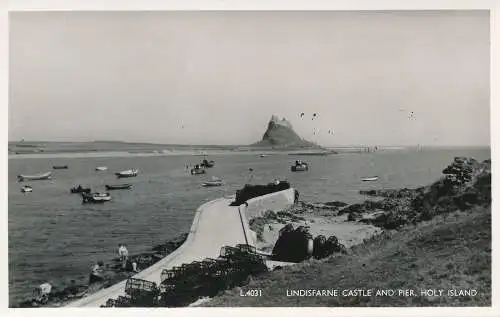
<point x="249" y="145"/>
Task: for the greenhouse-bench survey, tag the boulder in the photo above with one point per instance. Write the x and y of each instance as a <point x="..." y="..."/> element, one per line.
<point x="336" y="204"/>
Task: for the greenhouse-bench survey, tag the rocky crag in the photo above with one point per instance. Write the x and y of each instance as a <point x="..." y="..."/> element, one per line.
<point x="280" y="134"/>
<point x="465" y="183"/>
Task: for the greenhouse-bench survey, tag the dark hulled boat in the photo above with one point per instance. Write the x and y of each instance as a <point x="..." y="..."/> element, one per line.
<point x="118" y="186"/>
<point x="207" y="164"/>
<point x="79" y="189"/>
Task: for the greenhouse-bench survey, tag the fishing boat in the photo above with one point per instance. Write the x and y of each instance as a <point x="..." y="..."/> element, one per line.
<point x="370" y="179"/>
<point x="127" y="173"/>
<point x="197" y="170"/>
<point x="60" y="167"/>
<point x="207" y="164"/>
<point x="101" y="168"/>
<point x="215" y="181"/>
<point x="43" y="176"/>
<point x="118" y="186"/>
<point x="79" y="189"/>
<point x="299" y="167"/>
<point x="26" y="189"/>
<point x="95" y="197"/>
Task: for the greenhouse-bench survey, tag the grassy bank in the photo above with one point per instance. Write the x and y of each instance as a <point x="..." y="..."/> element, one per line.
<point x="451" y="251"/>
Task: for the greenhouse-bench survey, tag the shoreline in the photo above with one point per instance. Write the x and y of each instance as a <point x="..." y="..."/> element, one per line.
<point x="355" y="223"/>
<point x="448" y="221"/>
<point x="112" y="154"/>
<point x="112" y="275"/>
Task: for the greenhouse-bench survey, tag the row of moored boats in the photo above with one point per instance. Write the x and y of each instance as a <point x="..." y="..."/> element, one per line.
<point x="87" y="195"/>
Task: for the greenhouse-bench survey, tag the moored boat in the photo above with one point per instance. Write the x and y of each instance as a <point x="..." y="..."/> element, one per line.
<point x="43" y="176"/>
<point x="26" y="189"/>
<point x="370" y="179"/>
<point x="127" y="173"/>
<point x="79" y="189"/>
<point x="207" y="164"/>
<point x="60" y="167"/>
<point x="299" y="167"/>
<point x="215" y="181"/>
<point x="118" y="186"/>
<point x="197" y="170"/>
<point x="96" y="197"/>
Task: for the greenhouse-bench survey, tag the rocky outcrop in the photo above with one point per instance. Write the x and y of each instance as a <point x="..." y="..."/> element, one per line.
<point x="465" y="183"/>
<point x="331" y="208"/>
<point x="280" y="134"/>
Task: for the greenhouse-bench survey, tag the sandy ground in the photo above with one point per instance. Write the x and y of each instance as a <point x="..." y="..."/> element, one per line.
<point x="348" y="233"/>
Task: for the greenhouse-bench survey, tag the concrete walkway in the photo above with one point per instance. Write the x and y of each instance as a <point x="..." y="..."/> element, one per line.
<point x="216" y="224"/>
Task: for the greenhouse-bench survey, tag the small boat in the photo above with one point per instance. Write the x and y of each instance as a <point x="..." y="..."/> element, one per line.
<point x="215" y="181"/>
<point x="26" y="189"/>
<point x="207" y="164"/>
<point x="370" y="179"/>
<point x="263" y="155"/>
<point x="197" y="170"/>
<point x="101" y="168"/>
<point x="299" y="167"/>
<point x="127" y="173"/>
<point x="60" y="167"/>
<point x="118" y="186"/>
<point x="79" y="189"/>
<point x="43" y="176"/>
<point x="95" y="197"/>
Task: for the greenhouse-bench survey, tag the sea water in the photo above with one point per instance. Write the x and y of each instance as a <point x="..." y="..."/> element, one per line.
<point x="54" y="237"/>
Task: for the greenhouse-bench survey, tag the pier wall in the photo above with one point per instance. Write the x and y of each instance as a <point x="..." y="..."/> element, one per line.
<point x="259" y="205"/>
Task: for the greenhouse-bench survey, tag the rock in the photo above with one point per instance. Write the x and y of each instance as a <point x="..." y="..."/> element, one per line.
<point x="280" y="134"/>
<point x="336" y="204"/>
<point x="359" y="208"/>
<point x="354" y="216"/>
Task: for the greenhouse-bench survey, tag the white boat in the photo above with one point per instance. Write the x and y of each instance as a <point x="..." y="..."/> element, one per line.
<point x="96" y="197"/>
<point x="370" y="179"/>
<point x="215" y="181"/>
<point x="101" y="168"/>
<point x="197" y="170"/>
<point x="299" y="167"/>
<point x="43" y="176"/>
<point x="26" y="189"/>
<point x="127" y="173"/>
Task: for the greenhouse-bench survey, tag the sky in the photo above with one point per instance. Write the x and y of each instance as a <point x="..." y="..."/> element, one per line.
<point x="372" y="78"/>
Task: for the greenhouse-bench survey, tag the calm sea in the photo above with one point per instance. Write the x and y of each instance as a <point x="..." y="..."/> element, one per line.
<point x="54" y="237"/>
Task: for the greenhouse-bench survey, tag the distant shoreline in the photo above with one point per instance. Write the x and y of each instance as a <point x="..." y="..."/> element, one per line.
<point x="40" y="149"/>
<point x="96" y="154"/>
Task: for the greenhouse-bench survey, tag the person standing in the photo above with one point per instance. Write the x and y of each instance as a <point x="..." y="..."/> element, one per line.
<point x="123" y="252"/>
